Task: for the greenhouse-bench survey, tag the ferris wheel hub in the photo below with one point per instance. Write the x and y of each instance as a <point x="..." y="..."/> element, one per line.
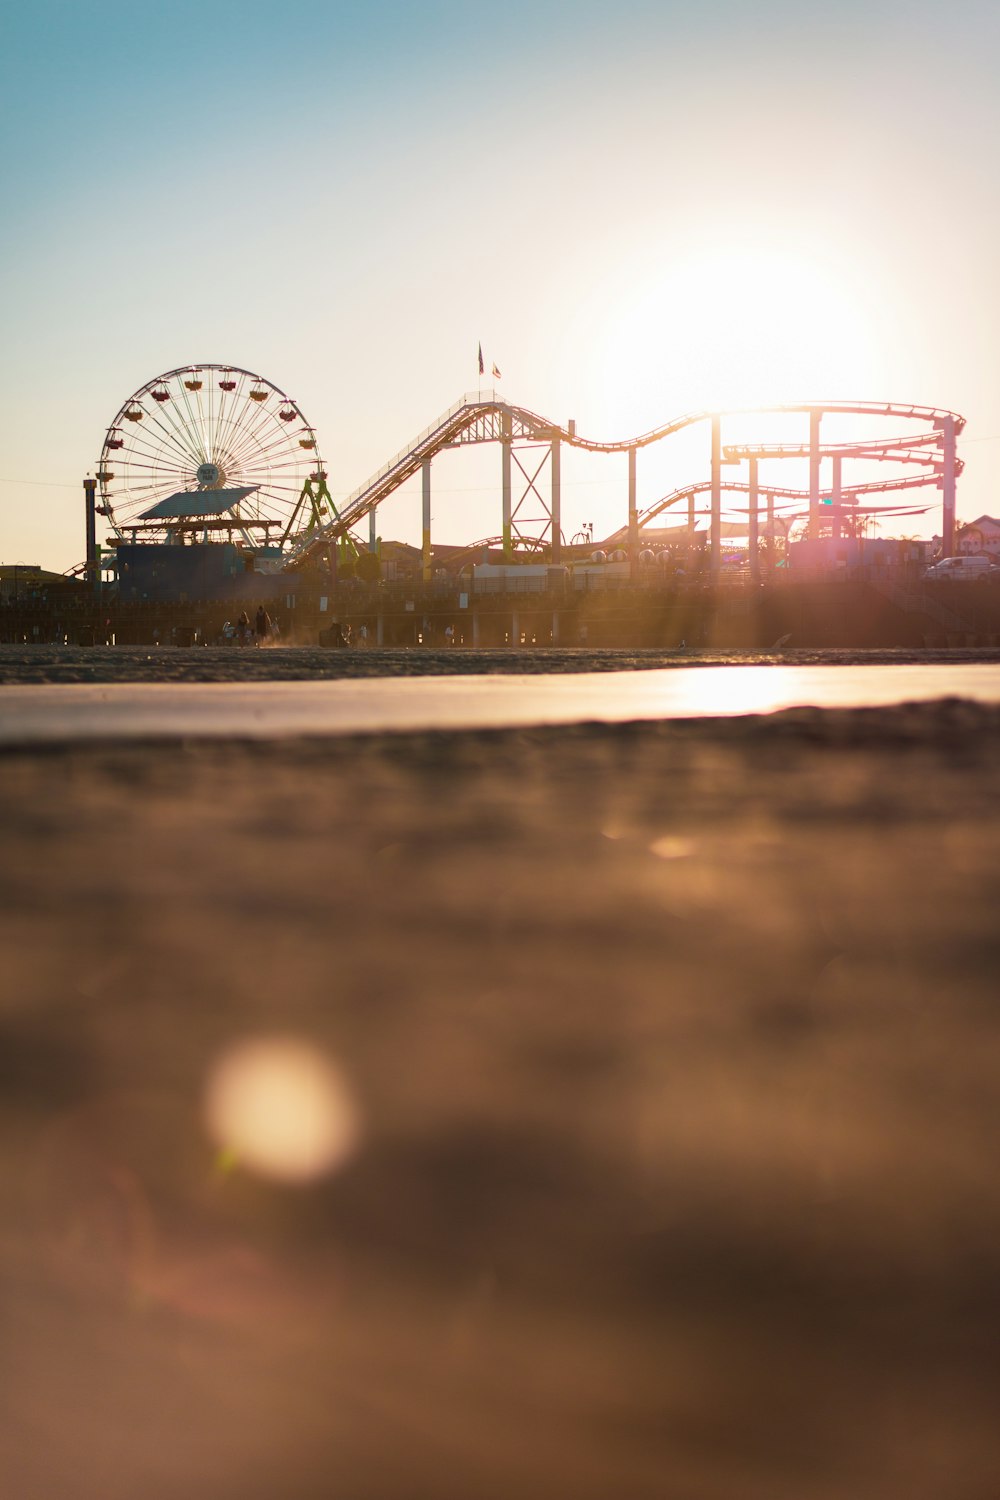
<point x="211" y="477"/>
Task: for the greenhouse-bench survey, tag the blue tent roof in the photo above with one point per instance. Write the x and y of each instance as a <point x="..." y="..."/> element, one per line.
<point x="196" y="503"/>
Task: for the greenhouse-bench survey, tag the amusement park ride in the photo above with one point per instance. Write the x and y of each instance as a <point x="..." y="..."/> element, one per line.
<point x="211" y="449"/>
<point x="216" y="452"/>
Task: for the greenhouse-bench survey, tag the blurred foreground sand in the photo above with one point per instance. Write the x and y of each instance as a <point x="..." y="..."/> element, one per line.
<point x="675" y="1058"/>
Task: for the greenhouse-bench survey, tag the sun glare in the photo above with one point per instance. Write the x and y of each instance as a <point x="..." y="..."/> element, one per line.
<point x="738" y="327"/>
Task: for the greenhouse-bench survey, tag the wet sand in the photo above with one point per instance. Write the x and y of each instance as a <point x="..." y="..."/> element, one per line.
<point x="255" y="709"/>
<point x="675" y="1058"/>
<point x="25" y="664"/>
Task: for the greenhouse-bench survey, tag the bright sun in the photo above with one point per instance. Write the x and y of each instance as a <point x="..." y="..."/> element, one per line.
<point x="738" y="327"/>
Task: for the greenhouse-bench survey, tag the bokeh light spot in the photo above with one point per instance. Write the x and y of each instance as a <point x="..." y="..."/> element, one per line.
<point x="670" y="847"/>
<point x="278" y="1107"/>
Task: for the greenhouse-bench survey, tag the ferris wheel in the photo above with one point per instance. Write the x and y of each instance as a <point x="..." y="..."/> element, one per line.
<point x="211" y="451"/>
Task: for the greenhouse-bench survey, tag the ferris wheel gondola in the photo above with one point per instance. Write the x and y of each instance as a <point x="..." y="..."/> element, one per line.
<point x="208" y="450"/>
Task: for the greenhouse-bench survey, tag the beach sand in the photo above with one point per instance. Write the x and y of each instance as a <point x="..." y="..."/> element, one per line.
<point x="674" y="1060"/>
<point x="26" y="664"/>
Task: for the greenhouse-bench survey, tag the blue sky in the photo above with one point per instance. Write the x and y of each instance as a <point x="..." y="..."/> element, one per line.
<point x="638" y="209"/>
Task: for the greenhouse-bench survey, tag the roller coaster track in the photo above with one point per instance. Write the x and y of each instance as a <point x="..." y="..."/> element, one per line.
<point x="783" y="492"/>
<point x="900" y="454"/>
<point x="869" y="448"/>
<point x="934" y="415"/>
<point x="483" y="417"/>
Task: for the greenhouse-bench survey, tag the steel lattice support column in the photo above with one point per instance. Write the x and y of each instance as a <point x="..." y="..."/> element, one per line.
<point x="555" y="514"/>
<point x="373" y="529"/>
<point x="814" y="421"/>
<point x="948" y="487"/>
<point x="505" y="436"/>
<point x="770" y="533"/>
<point x="425" y="475"/>
<point x="715" y="520"/>
<point x="633" y="516"/>
<point x="531" y="492"/>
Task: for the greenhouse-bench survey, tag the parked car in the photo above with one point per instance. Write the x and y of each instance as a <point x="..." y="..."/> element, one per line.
<point x="963" y="567"/>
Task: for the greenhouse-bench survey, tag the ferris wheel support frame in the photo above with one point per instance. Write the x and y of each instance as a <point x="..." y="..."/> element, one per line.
<point x="315" y="492"/>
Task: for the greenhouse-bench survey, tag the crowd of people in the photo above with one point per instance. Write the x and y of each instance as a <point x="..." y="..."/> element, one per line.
<point x="255" y="632"/>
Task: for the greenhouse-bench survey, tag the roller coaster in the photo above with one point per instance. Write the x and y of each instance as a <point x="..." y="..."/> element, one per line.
<point x="483" y="417"/>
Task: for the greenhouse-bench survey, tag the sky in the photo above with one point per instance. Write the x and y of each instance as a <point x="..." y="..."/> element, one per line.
<point x="638" y="209"/>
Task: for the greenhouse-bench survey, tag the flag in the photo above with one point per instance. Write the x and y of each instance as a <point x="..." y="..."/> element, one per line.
<point x="496" y="374"/>
<point x="482" y="366"/>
